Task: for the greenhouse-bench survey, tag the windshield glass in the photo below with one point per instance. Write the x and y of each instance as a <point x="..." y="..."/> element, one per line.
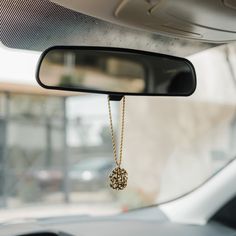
<point x="56" y="149"/>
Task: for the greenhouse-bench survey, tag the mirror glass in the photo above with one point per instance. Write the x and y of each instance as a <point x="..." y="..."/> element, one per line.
<point x="115" y="71"/>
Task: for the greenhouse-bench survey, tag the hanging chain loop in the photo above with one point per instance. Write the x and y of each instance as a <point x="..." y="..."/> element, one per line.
<point x="118" y="161"/>
<point x="119" y="176"/>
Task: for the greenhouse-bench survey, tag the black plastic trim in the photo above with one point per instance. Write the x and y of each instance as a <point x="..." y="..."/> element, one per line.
<point x="112" y="49"/>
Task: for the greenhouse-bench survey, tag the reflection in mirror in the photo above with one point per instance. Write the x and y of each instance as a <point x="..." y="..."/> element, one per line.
<point x="70" y="69"/>
<point x="108" y="71"/>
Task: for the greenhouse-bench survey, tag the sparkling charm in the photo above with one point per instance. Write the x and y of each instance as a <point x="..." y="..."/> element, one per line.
<point x="118" y="178"/>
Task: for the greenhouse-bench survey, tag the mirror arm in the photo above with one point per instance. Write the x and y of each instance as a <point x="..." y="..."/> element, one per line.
<point x="116" y="97"/>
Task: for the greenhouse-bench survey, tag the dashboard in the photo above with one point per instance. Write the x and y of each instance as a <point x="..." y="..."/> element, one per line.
<point x="149" y="221"/>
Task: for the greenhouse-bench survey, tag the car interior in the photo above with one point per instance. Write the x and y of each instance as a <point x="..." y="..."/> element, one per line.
<point x="117" y="117"/>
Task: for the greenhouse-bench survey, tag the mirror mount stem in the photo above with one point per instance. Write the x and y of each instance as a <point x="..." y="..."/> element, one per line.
<point x="116" y="97"/>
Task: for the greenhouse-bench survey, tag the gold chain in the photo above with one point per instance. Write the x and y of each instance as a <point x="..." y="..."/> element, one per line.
<point x="118" y="162"/>
<point x="119" y="176"/>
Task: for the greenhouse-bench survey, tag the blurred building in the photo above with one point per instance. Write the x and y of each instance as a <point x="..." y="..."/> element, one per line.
<point x="43" y="131"/>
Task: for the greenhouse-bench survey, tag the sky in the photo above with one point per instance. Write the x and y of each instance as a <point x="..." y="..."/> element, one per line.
<point x="18" y="66"/>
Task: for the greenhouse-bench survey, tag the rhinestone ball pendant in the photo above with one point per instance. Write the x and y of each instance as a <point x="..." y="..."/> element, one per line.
<point x="118" y="178"/>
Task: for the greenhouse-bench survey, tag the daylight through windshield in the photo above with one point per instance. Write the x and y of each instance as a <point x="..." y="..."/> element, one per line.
<point x="56" y="150"/>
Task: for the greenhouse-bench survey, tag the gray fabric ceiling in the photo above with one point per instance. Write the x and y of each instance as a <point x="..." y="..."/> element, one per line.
<point x="38" y="24"/>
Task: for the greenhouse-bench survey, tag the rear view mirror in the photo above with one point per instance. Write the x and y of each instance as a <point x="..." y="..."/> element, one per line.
<point x="115" y="71"/>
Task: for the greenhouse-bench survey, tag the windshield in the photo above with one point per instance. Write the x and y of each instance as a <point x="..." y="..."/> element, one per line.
<point x="56" y="149"/>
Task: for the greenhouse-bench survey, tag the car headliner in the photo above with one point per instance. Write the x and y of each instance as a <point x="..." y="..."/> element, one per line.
<point x="37" y="25"/>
